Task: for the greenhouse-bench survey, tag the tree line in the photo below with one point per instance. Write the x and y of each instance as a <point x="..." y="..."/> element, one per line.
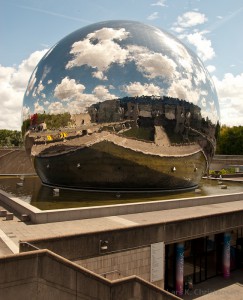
<point x="10" y="138"/>
<point x="230" y="140"/>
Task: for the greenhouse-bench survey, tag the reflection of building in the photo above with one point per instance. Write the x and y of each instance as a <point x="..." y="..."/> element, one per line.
<point x="130" y="143"/>
<point x="80" y="119"/>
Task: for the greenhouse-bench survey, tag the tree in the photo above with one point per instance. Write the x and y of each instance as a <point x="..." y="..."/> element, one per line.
<point x="230" y="141"/>
<point x="10" y="138"/>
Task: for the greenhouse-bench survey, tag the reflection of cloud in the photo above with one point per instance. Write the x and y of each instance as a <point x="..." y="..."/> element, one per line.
<point x="40" y="88"/>
<point x="137" y="89"/>
<point x="38" y="108"/>
<point x="102" y="93"/>
<point x="182" y="89"/>
<point x="29" y="65"/>
<point x="25" y="113"/>
<point x="178" y="50"/>
<point x="45" y="72"/>
<point x="68" y="89"/>
<point x="99" y="50"/>
<point x="100" y="75"/>
<point x="203" y="102"/>
<point x="31" y="82"/>
<point x="76" y="106"/>
<point x="56" y="108"/>
<point x="77" y="101"/>
<point x="200" y="75"/>
<point x="152" y="64"/>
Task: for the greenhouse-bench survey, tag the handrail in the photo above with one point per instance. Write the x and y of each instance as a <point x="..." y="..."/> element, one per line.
<point x="28" y="245"/>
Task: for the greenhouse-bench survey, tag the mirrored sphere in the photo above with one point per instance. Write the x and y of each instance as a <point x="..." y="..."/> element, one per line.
<point x="120" y="105"/>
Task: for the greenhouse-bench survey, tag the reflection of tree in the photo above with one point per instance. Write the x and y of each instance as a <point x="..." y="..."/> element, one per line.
<point x="52" y="121"/>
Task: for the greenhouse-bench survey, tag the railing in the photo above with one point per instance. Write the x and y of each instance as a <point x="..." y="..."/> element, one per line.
<point x="28" y="246"/>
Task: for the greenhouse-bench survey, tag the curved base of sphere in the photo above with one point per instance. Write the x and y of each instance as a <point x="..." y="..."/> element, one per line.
<point x="121" y="191"/>
<point x="107" y="166"/>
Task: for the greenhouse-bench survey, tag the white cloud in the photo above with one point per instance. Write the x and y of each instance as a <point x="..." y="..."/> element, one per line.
<point x="184" y="27"/>
<point x="190" y="19"/>
<point x="13" y="83"/>
<point x="203" y="46"/>
<point x="153" y="16"/>
<point x="178" y="29"/>
<point x="211" y="68"/>
<point x="230" y="98"/>
<point x="159" y="3"/>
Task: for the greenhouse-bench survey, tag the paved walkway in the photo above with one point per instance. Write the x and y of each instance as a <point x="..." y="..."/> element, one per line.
<point x="218" y="288"/>
<point x="13" y="231"/>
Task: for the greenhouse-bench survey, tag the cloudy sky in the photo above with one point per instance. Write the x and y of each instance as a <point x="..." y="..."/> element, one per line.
<point x="28" y="28"/>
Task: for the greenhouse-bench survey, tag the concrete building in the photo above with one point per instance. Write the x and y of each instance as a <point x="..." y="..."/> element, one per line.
<point x="151" y="250"/>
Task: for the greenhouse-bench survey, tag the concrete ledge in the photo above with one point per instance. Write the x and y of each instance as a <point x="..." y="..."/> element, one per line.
<point x="9" y="216"/>
<point x="3" y="213"/>
<point x="59" y="215"/>
<point x="49" y="276"/>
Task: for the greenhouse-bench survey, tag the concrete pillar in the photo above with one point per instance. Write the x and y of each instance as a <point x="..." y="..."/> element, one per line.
<point x="226" y="255"/>
<point x="179" y="269"/>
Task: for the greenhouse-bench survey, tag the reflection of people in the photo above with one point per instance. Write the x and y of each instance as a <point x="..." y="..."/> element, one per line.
<point x="33" y="121"/>
<point x="42" y="127"/>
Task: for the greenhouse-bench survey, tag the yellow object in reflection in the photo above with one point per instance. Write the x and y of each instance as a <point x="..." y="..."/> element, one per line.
<point x="49" y="138"/>
<point x="63" y="135"/>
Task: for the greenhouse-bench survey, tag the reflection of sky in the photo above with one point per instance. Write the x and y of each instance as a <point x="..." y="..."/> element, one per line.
<point x="115" y="59"/>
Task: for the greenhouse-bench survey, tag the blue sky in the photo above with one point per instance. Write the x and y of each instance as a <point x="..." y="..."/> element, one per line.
<point x="212" y="29"/>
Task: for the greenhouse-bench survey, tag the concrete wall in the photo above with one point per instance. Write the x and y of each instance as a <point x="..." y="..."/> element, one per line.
<point x="37" y="216"/>
<point x="15" y="161"/>
<point x="41" y="275"/>
<point x="122" y="264"/>
<point x="117" y="265"/>
<point x="83" y="246"/>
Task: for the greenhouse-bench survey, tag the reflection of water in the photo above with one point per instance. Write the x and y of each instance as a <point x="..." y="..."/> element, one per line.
<point x="42" y="197"/>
